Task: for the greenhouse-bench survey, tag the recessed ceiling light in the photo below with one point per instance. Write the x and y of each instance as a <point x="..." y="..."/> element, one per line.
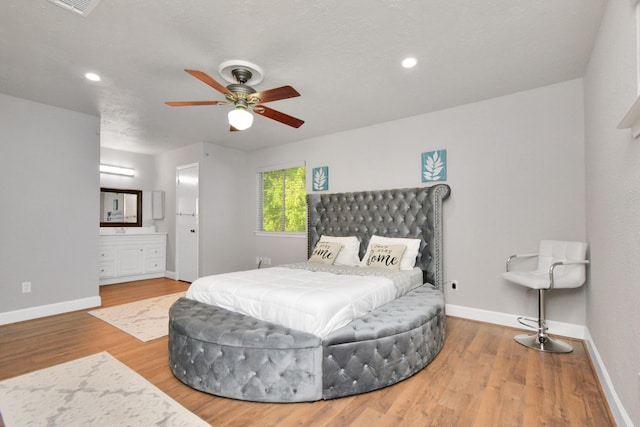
<point x="409" y="62"/>
<point x="93" y="77"/>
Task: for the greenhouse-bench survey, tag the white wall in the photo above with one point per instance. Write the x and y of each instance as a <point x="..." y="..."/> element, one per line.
<point x="516" y="168"/>
<point x="165" y="179"/>
<point x="144" y="165"/>
<point x="224" y="234"/>
<point x="50" y="201"/>
<point x="613" y="204"/>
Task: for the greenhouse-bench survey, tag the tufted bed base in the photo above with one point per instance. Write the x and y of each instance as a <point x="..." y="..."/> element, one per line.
<point x="232" y="355"/>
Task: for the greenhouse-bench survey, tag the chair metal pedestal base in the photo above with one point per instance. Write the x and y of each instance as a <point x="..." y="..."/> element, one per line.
<point x="543" y="343"/>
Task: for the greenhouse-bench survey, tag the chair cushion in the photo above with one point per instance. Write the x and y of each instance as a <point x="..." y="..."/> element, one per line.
<point x="540" y="279"/>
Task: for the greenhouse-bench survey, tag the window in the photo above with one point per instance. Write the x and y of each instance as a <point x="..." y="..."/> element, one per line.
<point x="282" y="203"/>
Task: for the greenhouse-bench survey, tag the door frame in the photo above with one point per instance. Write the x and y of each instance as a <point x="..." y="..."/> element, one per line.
<point x="197" y="224"/>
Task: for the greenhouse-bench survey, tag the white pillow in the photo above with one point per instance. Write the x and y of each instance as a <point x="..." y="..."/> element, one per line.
<point x="325" y="252"/>
<point x="384" y="256"/>
<point x="408" y="258"/>
<point x="349" y="254"/>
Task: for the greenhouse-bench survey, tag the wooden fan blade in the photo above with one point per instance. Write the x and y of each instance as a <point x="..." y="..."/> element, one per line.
<point x="208" y="80"/>
<point x="188" y="103"/>
<point x="276" y="94"/>
<point x="232" y="129"/>
<point x="278" y="116"/>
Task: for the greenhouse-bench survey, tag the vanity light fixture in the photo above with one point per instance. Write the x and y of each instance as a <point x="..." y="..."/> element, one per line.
<point x="117" y="170"/>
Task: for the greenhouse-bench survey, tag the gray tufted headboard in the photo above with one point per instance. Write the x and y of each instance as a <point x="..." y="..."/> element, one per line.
<point x="411" y="212"/>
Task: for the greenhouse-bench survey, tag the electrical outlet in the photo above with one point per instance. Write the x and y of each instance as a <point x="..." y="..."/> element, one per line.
<point x="455" y="285"/>
<point x="26" y="287"/>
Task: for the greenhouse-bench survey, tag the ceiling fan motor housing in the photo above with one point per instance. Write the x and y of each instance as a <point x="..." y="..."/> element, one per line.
<point x="241" y="89"/>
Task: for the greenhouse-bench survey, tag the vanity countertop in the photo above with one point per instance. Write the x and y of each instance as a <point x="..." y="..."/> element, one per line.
<point x="128" y="231"/>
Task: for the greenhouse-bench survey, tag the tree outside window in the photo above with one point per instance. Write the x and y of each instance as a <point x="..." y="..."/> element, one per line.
<point x="284" y="207"/>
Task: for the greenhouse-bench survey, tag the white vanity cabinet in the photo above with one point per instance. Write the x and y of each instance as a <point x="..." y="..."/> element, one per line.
<point x="127" y="257"/>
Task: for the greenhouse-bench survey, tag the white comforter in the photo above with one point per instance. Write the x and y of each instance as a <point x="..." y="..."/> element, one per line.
<point x="312" y="301"/>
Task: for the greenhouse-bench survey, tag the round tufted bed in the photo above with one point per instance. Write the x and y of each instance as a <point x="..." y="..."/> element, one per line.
<point x="233" y="355"/>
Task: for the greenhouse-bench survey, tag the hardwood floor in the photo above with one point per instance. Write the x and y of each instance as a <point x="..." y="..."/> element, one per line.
<point x="482" y="377"/>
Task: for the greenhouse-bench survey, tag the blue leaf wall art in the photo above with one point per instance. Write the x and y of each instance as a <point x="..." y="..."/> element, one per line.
<point x="434" y="166"/>
<point x="320" y="178"/>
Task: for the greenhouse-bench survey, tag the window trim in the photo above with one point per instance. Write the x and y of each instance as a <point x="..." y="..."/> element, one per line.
<point x="286" y="234"/>
<point x="259" y="201"/>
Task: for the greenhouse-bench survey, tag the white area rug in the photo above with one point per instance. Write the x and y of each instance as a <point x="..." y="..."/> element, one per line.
<point x="146" y="320"/>
<point x="97" y="390"/>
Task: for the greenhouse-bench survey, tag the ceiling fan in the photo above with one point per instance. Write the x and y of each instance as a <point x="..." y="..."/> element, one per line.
<point x="243" y="97"/>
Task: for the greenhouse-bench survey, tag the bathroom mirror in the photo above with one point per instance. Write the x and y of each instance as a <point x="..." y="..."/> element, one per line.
<point x="120" y="208"/>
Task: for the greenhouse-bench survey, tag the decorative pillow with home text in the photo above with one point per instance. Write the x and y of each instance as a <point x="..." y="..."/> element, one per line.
<point x="408" y="257"/>
<point x="384" y="256"/>
<point x="349" y="253"/>
<point x="325" y="252"/>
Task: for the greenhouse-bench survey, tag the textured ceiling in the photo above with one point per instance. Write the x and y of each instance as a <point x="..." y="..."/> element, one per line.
<point x="342" y="56"/>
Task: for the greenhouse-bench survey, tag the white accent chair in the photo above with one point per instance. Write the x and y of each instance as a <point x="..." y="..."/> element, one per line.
<point x="561" y="264"/>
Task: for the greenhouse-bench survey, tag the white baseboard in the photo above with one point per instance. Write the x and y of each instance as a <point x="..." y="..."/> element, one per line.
<point x="49" y="310"/>
<point x="617" y="410"/>
<point x="556" y="328"/>
<point x="66" y="306"/>
<point x="123" y="279"/>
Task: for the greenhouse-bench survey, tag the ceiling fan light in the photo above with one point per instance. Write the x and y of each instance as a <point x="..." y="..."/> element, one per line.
<point x="240" y="119"/>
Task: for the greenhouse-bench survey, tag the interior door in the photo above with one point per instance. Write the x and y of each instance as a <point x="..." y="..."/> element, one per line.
<point x="187" y="242"/>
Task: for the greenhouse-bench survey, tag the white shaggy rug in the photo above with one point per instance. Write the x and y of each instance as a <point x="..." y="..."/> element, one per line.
<point x="146" y="320"/>
<point x="97" y="390"/>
